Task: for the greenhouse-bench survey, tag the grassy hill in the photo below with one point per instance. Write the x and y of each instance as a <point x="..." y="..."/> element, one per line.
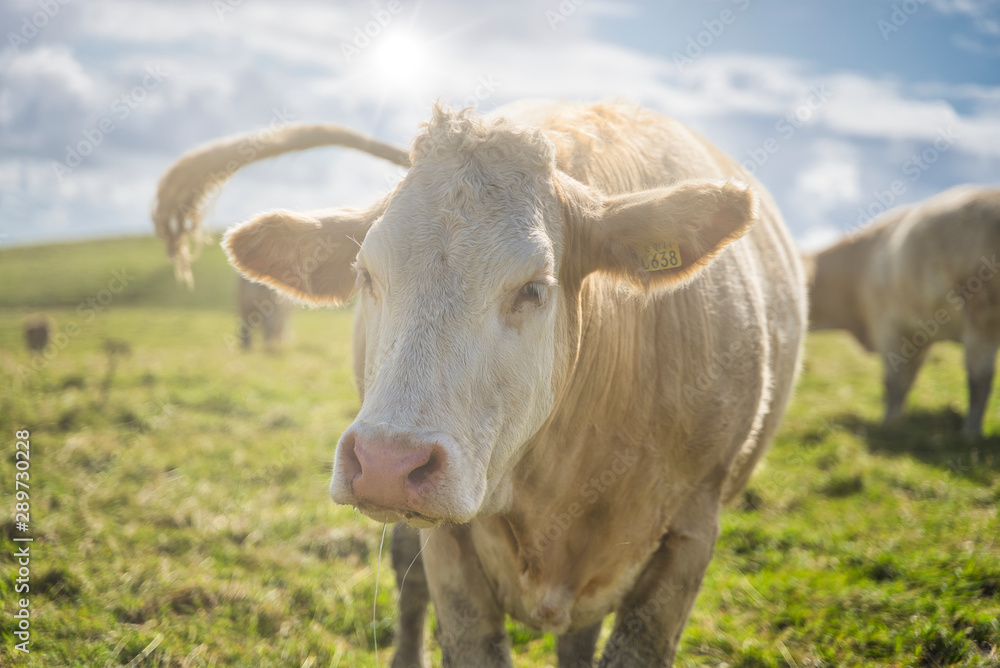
<point x="181" y="517"/>
<point x="65" y="275"/>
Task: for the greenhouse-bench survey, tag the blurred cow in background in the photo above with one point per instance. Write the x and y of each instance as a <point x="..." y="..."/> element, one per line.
<point x="261" y="306"/>
<point x="184" y="189"/>
<point x="919" y="274"/>
<point x="37" y="332"/>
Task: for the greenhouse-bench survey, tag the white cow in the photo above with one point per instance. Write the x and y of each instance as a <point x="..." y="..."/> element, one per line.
<point x="578" y="328"/>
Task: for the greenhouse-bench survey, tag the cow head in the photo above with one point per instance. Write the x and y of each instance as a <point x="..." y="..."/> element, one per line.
<point x="468" y="276"/>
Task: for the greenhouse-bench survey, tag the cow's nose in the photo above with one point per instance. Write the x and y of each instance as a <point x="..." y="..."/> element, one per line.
<point x="391" y="473"/>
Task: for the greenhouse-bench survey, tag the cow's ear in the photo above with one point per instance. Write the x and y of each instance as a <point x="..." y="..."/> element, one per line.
<point x="665" y="236"/>
<point x="307" y="256"/>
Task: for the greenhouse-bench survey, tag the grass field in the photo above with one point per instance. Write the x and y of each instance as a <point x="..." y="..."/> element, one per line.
<point x="180" y="512"/>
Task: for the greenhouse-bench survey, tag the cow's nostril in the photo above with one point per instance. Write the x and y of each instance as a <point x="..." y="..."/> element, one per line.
<point x="391" y="474"/>
<point x="349" y="460"/>
<point x="433" y="464"/>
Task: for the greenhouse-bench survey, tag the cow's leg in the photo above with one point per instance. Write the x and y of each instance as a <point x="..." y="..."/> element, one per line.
<point x="269" y="325"/>
<point x="244" y="335"/>
<point x="649" y="622"/>
<point x="576" y="650"/>
<point x="980" y="358"/>
<point x="280" y="321"/>
<point x="471" y="625"/>
<point x="898" y="373"/>
<point x="274" y="322"/>
<point x="413" y="597"/>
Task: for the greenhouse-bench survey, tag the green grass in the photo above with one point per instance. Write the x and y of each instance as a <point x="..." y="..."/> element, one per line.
<point x="183" y="513"/>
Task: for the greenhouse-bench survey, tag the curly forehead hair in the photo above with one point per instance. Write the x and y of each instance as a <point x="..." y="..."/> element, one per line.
<point x="450" y="133"/>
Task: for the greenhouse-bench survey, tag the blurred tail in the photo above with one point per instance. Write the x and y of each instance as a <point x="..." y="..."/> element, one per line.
<point x="187" y="185"/>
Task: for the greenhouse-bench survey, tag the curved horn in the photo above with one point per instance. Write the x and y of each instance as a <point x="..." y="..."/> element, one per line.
<point x="189" y="182"/>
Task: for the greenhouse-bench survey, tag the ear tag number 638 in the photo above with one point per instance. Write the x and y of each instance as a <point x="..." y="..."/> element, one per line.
<point x="661" y="255"/>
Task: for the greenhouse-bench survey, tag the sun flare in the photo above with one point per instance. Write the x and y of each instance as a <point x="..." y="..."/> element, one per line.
<point x="401" y="59"/>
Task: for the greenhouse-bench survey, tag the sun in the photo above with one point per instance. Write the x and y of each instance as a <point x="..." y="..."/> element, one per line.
<point x="401" y="59"/>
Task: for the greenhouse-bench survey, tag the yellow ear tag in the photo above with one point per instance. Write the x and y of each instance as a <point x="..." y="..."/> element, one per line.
<point x="661" y="255"/>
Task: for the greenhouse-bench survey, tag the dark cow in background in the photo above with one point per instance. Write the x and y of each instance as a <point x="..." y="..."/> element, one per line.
<point x="37" y="331"/>
<point x="263" y="308"/>
<point x="919" y="274"/>
<point x="540" y="301"/>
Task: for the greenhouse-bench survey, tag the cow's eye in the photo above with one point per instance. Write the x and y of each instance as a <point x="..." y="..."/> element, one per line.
<point x="364" y="279"/>
<point x="530" y="294"/>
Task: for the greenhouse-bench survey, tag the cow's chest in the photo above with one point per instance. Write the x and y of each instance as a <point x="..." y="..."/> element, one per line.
<point x="570" y="561"/>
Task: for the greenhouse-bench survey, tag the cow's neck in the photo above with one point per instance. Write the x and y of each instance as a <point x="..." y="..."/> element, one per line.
<point x="581" y="475"/>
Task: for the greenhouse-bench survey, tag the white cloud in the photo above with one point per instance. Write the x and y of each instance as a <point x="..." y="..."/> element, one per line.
<point x="819" y="237"/>
<point x="44" y="91"/>
<point x="984" y="23"/>
<point x="52" y="66"/>
<point x="976" y="45"/>
<point x="871" y="108"/>
<point x="971" y="8"/>
<point x="989" y="27"/>
<point x="829" y="183"/>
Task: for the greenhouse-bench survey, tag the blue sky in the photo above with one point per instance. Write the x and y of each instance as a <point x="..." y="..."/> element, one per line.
<point x="840" y="107"/>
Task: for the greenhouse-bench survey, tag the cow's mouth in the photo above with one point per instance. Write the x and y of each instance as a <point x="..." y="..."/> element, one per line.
<point x="411" y="517"/>
<point x="418" y="521"/>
